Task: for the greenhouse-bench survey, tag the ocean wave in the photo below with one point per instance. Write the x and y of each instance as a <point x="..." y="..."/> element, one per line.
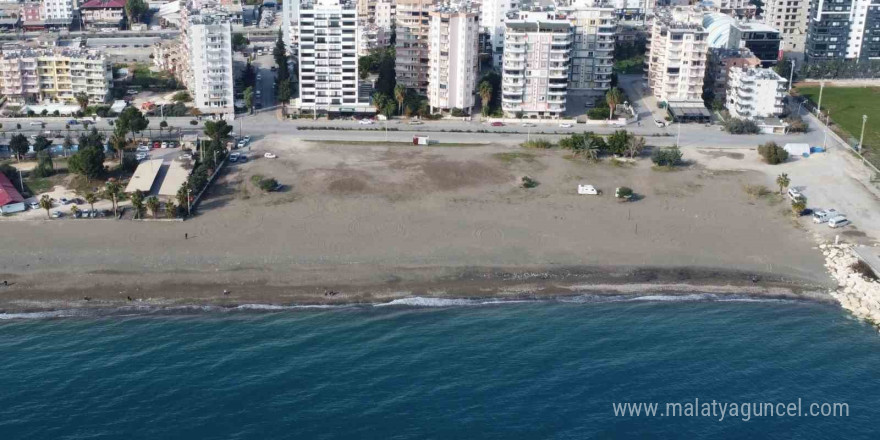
<point x="40" y="315"/>
<point x="420" y="301"/>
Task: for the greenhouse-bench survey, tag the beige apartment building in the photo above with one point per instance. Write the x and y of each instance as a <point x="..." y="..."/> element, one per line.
<point x="54" y="75"/>
<point x="791" y="17"/>
<point x="592" y="54"/>
<point x="453" y="56"/>
<point x="677" y="55"/>
<point x="411" y="64"/>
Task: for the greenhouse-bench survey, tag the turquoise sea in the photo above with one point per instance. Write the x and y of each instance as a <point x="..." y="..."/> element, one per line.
<point x="430" y="369"/>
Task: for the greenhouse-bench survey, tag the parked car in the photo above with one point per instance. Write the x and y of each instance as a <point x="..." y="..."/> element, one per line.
<point x="143" y="148"/>
<point x="247" y="139"/>
<point x="64" y="201"/>
<point x="659" y="123"/>
<point x="234" y="157"/>
<point x="838" y="222"/>
<point x="164" y="144"/>
<point x="185" y="156"/>
<point x="34" y="205"/>
<point x="57" y="214"/>
<point x="72" y="122"/>
<point x="270" y="156"/>
<point x="416" y="122"/>
<point x="156" y="144"/>
<point x="241" y="144"/>
<point x="498" y="124"/>
<point x="36" y="123"/>
<point x="823" y="215"/>
<point x="243" y="158"/>
<point x="528" y="124"/>
<point x="794" y="194"/>
<point x="365" y="121"/>
<point x="141" y="156"/>
<point x="565" y="125"/>
<point x="259" y="76"/>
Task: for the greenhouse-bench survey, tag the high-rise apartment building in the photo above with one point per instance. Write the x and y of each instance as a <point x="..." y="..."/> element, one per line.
<point x="594" y="24"/>
<point x="453" y="56"/>
<point x="385" y="14"/>
<point x="729" y="33"/>
<point x="790" y="17"/>
<point x="677" y="55"/>
<point x="843" y="29"/>
<point x="328" y="57"/>
<point x="535" y="73"/>
<point x="54" y="75"/>
<point x="411" y="63"/>
<point x="493" y="14"/>
<point x="755" y="93"/>
<point x="208" y="74"/>
<point x="290" y="26"/>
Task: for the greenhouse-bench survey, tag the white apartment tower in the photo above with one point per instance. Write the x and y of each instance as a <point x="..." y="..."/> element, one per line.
<point x="493" y="14"/>
<point x="791" y="17"/>
<point x="592" y="56"/>
<point x="328" y="57"/>
<point x="755" y="93"/>
<point x="208" y="47"/>
<point x="536" y="62"/>
<point x="677" y="55"/>
<point x="57" y="10"/>
<point x="453" y="62"/>
<point x="290" y="25"/>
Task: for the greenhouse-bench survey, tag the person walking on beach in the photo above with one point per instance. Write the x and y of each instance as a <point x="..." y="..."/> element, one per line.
<point x="186" y="235"/>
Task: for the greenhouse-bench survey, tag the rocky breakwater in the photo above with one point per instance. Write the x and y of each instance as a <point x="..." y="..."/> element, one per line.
<point x="856" y="292"/>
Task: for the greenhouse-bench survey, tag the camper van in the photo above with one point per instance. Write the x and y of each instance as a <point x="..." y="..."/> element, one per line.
<point x="823" y="215"/>
<point x="838" y="222"/>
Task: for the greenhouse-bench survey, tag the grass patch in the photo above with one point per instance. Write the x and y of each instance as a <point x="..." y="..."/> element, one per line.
<point x="538" y="143"/>
<point x="513" y="157"/>
<point x="36" y="185"/>
<point x="847" y="105"/>
<point x="762" y="192"/>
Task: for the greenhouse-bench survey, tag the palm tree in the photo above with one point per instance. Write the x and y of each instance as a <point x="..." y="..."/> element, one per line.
<point x="613" y="98"/>
<point x="153" y="206"/>
<point x="113" y="191"/>
<point x="91" y="198"/>
<point x="170" y="209"/>
<point x="73" y="210"/>
<point x="137" y="202"/>
<point x="249" y="99"/>
<point x="399" y="95"/>
<point x="46" y="203"/>
<point x="485" y="91"/>
<point x="83" y="100"/>
<point x="798" y="205"/>
<point x="783" y="181"/>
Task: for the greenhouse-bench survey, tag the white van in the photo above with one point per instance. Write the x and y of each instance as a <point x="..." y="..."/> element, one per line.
<point x="838" y="222"/>
<point x="822" y="216"/>
<point x="794" y="194"/>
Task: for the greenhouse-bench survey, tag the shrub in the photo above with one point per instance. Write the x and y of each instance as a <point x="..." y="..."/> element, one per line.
<point x="666" y="157"/>
<point x="624" y="193"/>
<point x="193" y="122"/>
<point x="129" y="163"/>
<point x="796" y="124"/>
<point x="741" y="126"/>
<point x="269" y="184"/>
<point x="528" y="182"/>
<point x="598" y="113"/>
<point x="538" y="143"/>
<point x="799" y="205"/>
<point x="773" y="154"/>
<point x="457" y="112"/>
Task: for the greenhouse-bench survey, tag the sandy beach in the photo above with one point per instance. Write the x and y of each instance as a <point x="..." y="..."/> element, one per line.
<point x="377" y="222"/>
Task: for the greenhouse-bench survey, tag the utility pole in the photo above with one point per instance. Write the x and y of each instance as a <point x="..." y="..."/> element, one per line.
<point x="821" y="89"/>
<point x="791" y="76"/>
<point x="678" y="136"/>
<point x="862" y="137"/>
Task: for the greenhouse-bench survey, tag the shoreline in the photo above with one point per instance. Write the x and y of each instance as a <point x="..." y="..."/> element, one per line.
<point x="498" y="284"/>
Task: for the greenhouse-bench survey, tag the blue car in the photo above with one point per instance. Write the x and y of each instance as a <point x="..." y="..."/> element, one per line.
<point x="72" y="122"/>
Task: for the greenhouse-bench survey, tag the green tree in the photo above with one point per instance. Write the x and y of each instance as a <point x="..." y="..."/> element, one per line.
<point x="131" y="121"/>
<point x="773" y="154"/>
<point x="134" y="9"/>
<point x="137" y="203"/>
<point x="91" y="198"/>
<point x="74" y="210"/>
<point x="83" y="100"/>
<point x="113" y="192"/>
<point x="183" y="195"/>
<point x="44" y="167"/>
<point x="87" y="162"/>
<point x="618" y="142"/>
<point x="613" y="98"/>
<point x="798" y="205"/>
<point x="68" y="144"/>
<point x="399" y="95"/>
<point x="387" y="81"/>
<point x="485" y="91"/>
<point x="249" y="75"/>
<point x="217" y="130"/>
<point x="666" y="157"/>
<point x="153" y="205"/>
<point x="20" y="145"/>
<point x="783" y="181"/>
<point x="46" y="203"/>
<point x="181" y="96"/>
<point x="249" y="99"/>
<point x="117" y="143"/>
<point x="239" y="41"/>
<point x="41" y="143"/>
<point x="284" y="92"/>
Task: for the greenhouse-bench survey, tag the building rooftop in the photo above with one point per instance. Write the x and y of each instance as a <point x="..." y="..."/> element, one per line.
<point x="103" y="4"/>
<point x="27" y="52"/>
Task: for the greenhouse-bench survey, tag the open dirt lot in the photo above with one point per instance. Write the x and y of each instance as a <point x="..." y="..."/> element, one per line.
<point x="401" y="217"/>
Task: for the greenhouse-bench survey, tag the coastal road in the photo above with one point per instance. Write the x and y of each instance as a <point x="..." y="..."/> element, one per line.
<point x="267" y="123"/>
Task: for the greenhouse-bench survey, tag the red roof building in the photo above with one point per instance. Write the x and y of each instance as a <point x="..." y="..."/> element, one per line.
<point x="102" y="13"/>
<point x="8" y="193"/>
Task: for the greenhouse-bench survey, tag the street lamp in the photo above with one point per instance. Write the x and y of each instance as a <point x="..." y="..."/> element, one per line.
<point x="821" y="89"/>
<point x="678" y="136"/>
<point x="791" y="76"/>
<point x="862" y="137"/>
